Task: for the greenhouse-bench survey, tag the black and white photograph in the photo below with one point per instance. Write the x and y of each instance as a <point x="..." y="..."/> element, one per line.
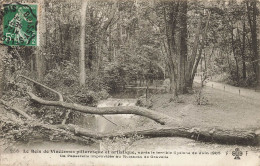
<point x="129" y="82"/>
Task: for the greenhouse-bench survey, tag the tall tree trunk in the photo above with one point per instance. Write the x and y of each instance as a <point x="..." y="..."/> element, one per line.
<point x="252" y="13"/>
<point x="258" y="61"/>
<point x="193" y="56"/>
<point x="243" y="51"/>
<point x="195" y="66"/>
<point x="170" y="26"/>
<point x="39" y="57"/>
<point x="241" y="137"/>
<point x="91" y="41"/>
<point x="234" y="54"/>
<point x="182" y="46"/>
<point x="82" y="73"/>
<point x="109" y="45"/>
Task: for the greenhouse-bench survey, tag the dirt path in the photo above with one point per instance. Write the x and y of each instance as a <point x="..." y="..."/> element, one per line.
<point x="223" y="110"/>
<point x="231" y="89"/>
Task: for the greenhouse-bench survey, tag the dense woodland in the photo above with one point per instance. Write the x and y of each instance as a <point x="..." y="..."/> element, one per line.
<point x="90" y="49"/>
<point x="126" y="41"/>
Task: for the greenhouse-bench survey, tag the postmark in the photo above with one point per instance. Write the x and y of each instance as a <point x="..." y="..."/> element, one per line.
<point x="20" y="24"/>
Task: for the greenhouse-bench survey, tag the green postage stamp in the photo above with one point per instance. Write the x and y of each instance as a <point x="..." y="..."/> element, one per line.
<point x="20" y="24"/>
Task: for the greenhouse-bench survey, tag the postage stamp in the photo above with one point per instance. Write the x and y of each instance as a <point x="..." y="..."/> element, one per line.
<point x="20" y="24"/>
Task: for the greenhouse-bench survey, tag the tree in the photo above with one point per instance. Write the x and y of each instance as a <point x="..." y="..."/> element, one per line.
<point x="182" y="47"/>
<point x="82" y="73"/>
<point x="199" y="55"/>
<point x="252" y="14"/>
<point x="181" y="68"/>
<point x="258" y="52"/>
<point x="39" y="55"/>
<point x="171" y="11"/>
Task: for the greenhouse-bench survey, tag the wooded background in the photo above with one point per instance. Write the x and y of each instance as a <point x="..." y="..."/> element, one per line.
<point x="123" y="41"/>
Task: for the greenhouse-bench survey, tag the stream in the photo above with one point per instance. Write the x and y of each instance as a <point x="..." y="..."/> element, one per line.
<point x="116" y="122"/>
<point x="109" y="123"/>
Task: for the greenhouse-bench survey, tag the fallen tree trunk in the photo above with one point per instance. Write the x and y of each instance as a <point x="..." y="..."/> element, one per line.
<point x="156" y="116"/>
<point x="35" y="123"/>
<point x="242" y="137"/>
<point x="44" y="86"/>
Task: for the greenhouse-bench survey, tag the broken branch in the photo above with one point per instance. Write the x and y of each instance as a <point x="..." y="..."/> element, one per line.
<point x="156" y="116"/>
<point x="46" y="87"/>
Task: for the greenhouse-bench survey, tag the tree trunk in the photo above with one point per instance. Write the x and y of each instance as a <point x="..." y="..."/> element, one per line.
<point x="176" y="18"/>
<point x="182" y="46"/>
<point x="39" y="57"/>
<point x="252" y="13"/>
<point x="243" y="47"/>
<point x="234" y="54"/>
<point x="156" y="116"/>
<point x="3" y="52"/>
<point x="258" y="59"/>
<point x="193" y="56"/>
<point x="195" y="66"/>
<point x="243" y="137"/>
<point x="170" y="26"/>
<point x="82" y="73"/>
<point x="91" y="41"/>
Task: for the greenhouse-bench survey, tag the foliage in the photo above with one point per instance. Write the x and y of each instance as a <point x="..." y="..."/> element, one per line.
<point x="14" y="131"/>
<point x="64" y="79"/>
<point x="114" y="76"/>
<point x="230" y="38"/>
<point x="20" y="132"/>
<point x="145" y="102"/>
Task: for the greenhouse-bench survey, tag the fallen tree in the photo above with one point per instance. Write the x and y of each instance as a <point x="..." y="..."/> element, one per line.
<point x="156" y="116"/>
<point x="243" y="137"/>
<point x="35" y="123"/>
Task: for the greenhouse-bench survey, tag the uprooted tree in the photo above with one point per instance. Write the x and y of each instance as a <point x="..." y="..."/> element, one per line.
<point x="170" y="126"/>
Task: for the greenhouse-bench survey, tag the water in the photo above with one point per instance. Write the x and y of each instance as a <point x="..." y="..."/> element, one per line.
<point x="110" y="123"/>
<point x="117" y="122"/>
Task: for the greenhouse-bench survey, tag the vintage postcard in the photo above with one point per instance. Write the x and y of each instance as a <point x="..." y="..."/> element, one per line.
<point x="130" y="82"/>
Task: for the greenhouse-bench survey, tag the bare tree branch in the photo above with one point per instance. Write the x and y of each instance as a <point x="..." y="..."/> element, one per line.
<point x="156" y="116"/>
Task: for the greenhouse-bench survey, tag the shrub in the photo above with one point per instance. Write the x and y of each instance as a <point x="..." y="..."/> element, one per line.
<point x="200" y="97"/>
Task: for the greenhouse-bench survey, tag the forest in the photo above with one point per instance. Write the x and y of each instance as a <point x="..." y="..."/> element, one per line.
<point x="171" y="56"/>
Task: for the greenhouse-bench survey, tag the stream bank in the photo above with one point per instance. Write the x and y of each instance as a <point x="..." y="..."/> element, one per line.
<point x="219" y="113"/>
